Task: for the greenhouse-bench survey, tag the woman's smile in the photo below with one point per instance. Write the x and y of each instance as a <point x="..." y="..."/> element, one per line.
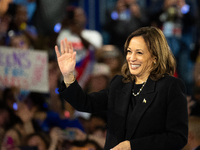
<point x="139" y="58"/>
<point x="134" y="66"/>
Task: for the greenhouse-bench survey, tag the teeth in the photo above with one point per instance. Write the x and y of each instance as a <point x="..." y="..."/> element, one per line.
<point x="135" y="66"/>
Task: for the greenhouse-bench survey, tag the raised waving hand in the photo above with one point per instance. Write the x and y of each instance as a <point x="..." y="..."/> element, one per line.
<point x="66" y="58"/>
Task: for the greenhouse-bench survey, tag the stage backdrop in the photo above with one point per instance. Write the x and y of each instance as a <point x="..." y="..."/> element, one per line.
<point x="26" y="69"/>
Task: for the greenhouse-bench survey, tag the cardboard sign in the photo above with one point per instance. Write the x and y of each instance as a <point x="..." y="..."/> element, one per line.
<point x="26" y="69"/>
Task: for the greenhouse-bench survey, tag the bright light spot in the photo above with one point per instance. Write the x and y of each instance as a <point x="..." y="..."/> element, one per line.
<point x="15" y="106"/>
<point x="57" y="27"/>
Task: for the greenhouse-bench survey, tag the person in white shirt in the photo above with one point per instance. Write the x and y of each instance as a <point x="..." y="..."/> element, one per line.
<point x="84" y="41"/>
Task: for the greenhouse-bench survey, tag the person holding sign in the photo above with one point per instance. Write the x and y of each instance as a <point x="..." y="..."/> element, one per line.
<point x="146" y="106"/>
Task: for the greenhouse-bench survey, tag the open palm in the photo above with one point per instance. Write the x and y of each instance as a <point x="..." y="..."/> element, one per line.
<point x="67" y="58"/>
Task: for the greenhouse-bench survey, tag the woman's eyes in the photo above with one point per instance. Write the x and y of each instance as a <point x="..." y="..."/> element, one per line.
<point x="138" y="52"/>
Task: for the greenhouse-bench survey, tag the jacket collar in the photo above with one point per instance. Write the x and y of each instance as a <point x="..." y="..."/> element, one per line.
<point x="150" y="86"/>
<point x="123" y="97"/>
<point x="148" y="95"/>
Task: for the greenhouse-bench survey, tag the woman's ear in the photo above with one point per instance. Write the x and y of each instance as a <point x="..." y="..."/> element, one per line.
<point x="154" y="59"/>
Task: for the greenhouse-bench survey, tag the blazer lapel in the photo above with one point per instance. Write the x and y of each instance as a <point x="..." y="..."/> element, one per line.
<point x="121" y="106"/>
<point x="147" y="96"/>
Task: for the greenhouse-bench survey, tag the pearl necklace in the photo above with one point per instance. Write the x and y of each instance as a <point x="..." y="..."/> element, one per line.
<point x="139" y="90"/>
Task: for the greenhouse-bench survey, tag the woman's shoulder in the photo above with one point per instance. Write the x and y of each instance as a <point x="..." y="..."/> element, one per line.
<point x="117" y="79"/>
<point x="170" y="81"/>
<point x="165" y="78"/>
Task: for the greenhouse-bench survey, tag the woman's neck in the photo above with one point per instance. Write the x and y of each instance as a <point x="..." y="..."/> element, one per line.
<point x="140" y="80"/>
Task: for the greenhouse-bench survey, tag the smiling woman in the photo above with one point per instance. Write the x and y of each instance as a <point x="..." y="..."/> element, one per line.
<point x="153" y="55"/>
<point x="139" y="59"/>
<point x="146" y="106"/>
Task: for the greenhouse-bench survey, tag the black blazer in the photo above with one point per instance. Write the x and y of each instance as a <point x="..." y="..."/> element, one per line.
<point x="160" y="123"/>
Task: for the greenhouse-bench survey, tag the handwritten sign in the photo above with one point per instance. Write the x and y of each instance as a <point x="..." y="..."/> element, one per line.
<point x="24" y="69"/>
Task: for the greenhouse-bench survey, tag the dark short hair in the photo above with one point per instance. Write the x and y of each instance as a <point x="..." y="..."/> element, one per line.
<point x="158" y="47"/>
<point x="38" y="100"/>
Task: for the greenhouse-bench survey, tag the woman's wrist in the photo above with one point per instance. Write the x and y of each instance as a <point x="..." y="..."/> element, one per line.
<point x="69" y="79"/>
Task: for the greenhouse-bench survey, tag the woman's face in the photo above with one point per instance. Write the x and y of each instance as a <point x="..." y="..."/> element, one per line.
<point x="139" y="58"/>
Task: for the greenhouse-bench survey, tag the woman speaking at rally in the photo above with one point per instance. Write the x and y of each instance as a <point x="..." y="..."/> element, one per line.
<point x="146" y="106"/>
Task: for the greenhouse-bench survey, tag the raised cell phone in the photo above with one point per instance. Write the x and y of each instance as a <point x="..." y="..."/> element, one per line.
<point x="69" y="134"/>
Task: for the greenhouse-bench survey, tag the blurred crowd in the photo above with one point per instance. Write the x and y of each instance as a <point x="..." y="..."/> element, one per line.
<point x="44" y="121"/>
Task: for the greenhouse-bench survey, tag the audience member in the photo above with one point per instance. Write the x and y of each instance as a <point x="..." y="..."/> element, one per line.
<point x="4" y="20"/>
<point x="22" y="125"/>
<point x="46" y="118"/>
<point x="10" y="96"/>
<point x="194" y="134"/>
<point x="177" y="19"/>
<point x="190" y="103"/>
<point x="4" y="120"/>
<point x="196" y="58"/>
<point x="47" y="15"/>
<point x="111" y="55"/>
<point x="87" y="144"/>
<point x="56" y="139"/>
<point x="39" y="140"/>
<point x="142" y="3"/>
<point x="4" y="26"/>
<point x="195" y="108"/>
<point x="74" y="24"/>
<point x="96" y="120"/>
<point x="95" y="129"/>
<point x="19" y="24"/>
<point x="99" y="78"/>
<point x="54" y="75"/>
<point x="84" y="41"/>
<point x="20" y="42"/>
<point x="30" y="7"/>
<point x="123" y="20"/>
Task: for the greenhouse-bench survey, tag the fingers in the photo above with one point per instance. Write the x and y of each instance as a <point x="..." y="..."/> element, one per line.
<point x="57" y="51"/>
<point x="74" y="56"/>
<point x="66" y="46"/>
<point x="62" y="47"/>
<point x="70" y="47"/>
